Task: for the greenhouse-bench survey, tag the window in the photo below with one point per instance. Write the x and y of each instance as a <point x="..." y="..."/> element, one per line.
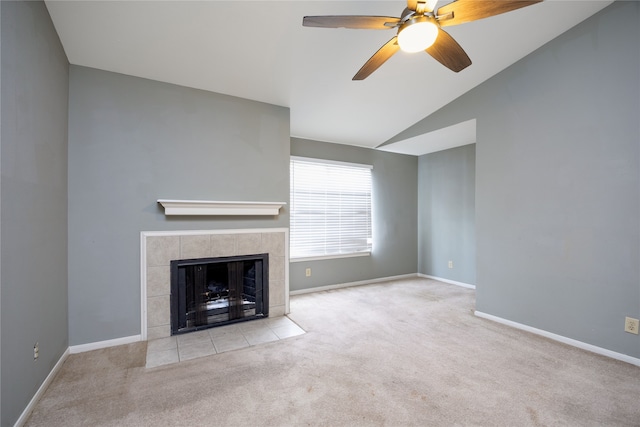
<point x="330" y="209"/>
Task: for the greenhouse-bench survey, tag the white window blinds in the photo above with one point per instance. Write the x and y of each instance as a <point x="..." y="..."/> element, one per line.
<point x="330" y="208"/>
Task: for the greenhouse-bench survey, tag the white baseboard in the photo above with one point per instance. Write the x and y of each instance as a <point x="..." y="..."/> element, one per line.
<point x="43" y="387"/>
<point x="350" y="284"/>
<point x="104" y="344"/>
<point x="562" y="339"/>
<point x="451" y="282"/>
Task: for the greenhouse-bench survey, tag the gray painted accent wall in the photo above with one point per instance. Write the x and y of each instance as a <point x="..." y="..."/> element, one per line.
<point x="33" y="140"/>
<point x="133" y="141"/>
<point x="395" y="178"/>
<point x="446" y="214"/>
<point x="558" y="182"/>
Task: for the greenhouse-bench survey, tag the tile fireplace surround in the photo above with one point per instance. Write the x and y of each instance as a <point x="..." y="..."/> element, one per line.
<point x="158" y="248"/>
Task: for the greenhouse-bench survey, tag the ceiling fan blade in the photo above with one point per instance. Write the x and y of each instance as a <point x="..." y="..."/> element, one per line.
<point x="462" y="11"/>
<point x="354" y="22"/>
<point x="378" y="58"/>
<point x="448" y="52"/>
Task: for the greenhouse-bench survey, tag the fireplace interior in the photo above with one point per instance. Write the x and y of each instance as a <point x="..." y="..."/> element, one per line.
<point x="208" y="292"/>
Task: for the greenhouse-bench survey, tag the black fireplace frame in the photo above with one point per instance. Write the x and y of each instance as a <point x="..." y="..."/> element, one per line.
<point x="177" y="296"/>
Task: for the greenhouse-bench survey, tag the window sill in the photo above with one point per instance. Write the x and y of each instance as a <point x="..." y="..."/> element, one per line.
<point x="325" y="257"/>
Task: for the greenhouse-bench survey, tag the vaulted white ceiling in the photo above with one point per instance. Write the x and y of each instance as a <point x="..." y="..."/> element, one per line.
<point x="259" y="50"/>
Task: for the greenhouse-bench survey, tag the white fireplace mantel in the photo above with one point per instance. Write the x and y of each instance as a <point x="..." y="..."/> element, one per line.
<point x="207" y="207"/>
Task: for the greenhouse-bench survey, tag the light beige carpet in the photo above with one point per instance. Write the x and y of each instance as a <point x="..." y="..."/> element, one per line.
<point x="401" y="353"/>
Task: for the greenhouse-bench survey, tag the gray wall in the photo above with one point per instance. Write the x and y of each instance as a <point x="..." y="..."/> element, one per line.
<point x="558" y="182"/>
<point x="395" y="178"/>
<point x="133" y="141"/>
<point x="33" y="138"/>
<point x="446" y="214"/>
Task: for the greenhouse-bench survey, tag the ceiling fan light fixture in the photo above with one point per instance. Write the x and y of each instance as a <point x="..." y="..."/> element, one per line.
<point x="417" y="34"/>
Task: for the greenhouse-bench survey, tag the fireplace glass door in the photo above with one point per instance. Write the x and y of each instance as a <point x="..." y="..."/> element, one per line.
<point x="217" y="291"/>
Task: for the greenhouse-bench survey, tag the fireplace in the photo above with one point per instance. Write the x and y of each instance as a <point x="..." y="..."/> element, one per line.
<point x="159" y="248"/>
<point x="208" y="292"/>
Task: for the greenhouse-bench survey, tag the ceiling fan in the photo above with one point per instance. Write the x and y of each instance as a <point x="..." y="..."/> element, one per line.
<point x="420" y="28"/>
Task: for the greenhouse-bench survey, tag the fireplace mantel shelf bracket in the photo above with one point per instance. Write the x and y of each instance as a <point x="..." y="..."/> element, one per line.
<point x="206" y="207"/>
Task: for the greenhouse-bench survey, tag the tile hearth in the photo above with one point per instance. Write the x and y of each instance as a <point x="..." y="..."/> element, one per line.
<point x="178" y="348"/>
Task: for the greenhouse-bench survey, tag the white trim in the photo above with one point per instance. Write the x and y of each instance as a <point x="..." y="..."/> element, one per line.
<point x="43" y="387"/>
<point x="351" y="284"/>
<point x="81" y="348"/>
<point x="562" y="339"/>
<point x="210" y="207"/>
<point x="451" y="282"/>
<point x="217" y="231"/>
<point x="143" y="284"/>
<point x="331" y="162"/>
<point x="335" y="256"/>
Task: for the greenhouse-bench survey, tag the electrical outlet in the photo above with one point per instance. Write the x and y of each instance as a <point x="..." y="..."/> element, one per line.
<point x="450" y="264"/>
<point x="36" y="351"/>
<point x="631" y="325"/>
<point x="307" y="272"/>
